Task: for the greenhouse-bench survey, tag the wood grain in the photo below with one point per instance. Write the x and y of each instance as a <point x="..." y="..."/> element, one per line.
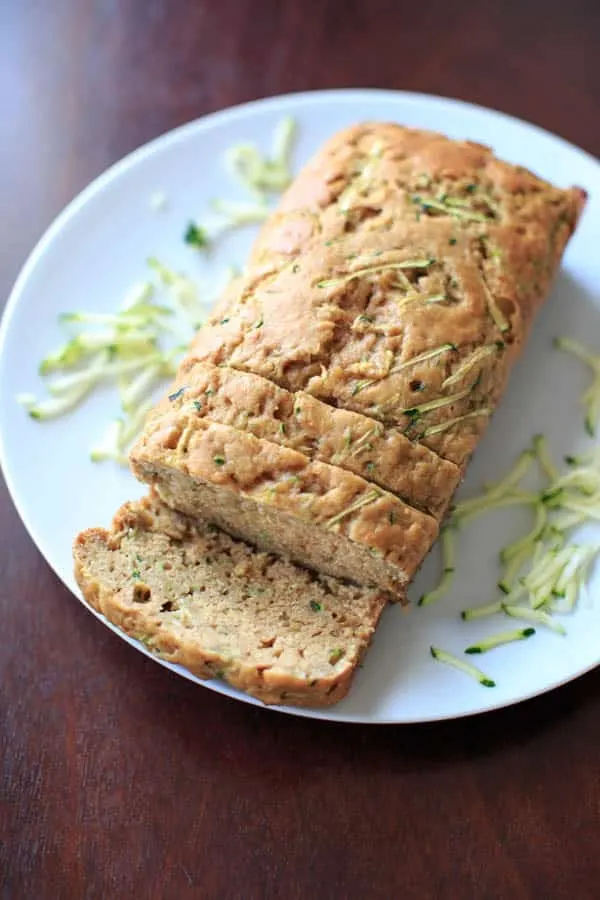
<point x="119" y="779"/>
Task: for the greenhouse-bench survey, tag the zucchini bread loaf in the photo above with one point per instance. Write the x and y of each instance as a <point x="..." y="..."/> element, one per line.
<point x="362" y="354"/>
<point x="197" y="597"/>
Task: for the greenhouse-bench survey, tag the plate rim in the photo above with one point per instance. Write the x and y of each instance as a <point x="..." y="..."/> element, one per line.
<point x="131" y="159"/>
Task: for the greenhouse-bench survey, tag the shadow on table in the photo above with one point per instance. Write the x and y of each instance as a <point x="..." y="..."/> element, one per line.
<point x="249" y="740"/>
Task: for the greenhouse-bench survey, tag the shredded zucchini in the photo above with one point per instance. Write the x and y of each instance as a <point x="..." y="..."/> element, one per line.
<point x="527" y="542"/>
<point x="182" y="291"/>
<point x="459" y="212"/>
<point x="138" y="388"/>
<point x="514" y="566"/>
<point x="499" y="640"/>
<point x="499" y="491"/>
<point x="262" y="176"/>
<point x="480" y="612"/>
<point x="536" y="616"/>
<point x="540" y="447"/>
<point x="125" y="348"/>
<point x="543" y="572"/>
<point x="368" y="498"/>
<point x="462" y="665"/>
<point x="464" y="513"/>
<point x="450" y="423"/>
<point x="363" y="443"/>
<point x="138" y="345"/>
<point x="241" y="213"/>
<point x="376" y="270"/>
<point x="591" y="397"/>
<point x="499" y="320"/>
<point x="109" y="447"/>
<point x="79" y="386"/>
<point x="448" y="554"/>
<point x="466" y="366"/>
<point x="416" y="297"/>
<point x="422" y="357"/>
<point x="415" y="411"/>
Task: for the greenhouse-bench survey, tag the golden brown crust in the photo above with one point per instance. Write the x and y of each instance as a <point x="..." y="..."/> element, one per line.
<point x="376" y="197"/>
<point x="248" y="402"/>
<point x="148" y="536"/>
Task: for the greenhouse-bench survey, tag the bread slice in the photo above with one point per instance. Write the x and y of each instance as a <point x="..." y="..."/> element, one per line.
<point x="199" y="598"/>
<point x="300" y="422"/>
<point x="316" y="514"/>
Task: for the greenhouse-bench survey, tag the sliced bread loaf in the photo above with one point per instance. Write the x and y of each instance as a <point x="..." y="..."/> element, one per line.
<point x="316" y="514"/>
<point x="199" y="598"/>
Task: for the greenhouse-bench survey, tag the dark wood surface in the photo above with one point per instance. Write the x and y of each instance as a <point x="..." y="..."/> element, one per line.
<point x="119" y="779"/>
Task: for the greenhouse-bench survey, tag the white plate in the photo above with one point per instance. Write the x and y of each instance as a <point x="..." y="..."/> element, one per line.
<point x="97" y="248"/>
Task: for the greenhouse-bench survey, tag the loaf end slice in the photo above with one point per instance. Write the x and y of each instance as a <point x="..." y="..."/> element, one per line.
<point x="198" y="598"/>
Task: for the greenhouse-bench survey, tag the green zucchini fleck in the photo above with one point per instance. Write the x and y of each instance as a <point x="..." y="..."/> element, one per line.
<point x="195" y="236"/>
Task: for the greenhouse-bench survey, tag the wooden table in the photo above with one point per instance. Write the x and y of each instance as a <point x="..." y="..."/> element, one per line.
<point x="121" y="780"/>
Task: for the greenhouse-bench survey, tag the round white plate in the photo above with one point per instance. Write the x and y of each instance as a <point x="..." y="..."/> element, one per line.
<point x="97" y="248"/>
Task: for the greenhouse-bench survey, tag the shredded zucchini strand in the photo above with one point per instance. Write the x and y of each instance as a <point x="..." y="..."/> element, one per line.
<point x="481" y="612"/>
<point x="533" y="615"/>
<point x="462" y="665"/>
<point x="499" y="640"/>
<point x="554" y="570"/>
<point x="448" y="557"/>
